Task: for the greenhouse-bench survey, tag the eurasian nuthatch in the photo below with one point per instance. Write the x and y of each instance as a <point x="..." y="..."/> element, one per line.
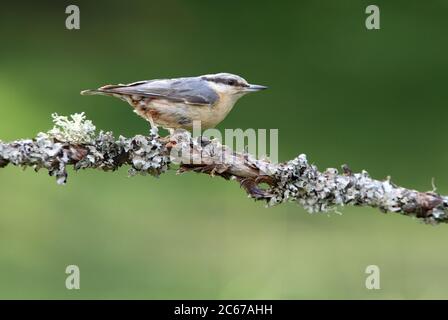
<point x="177" y="103"/>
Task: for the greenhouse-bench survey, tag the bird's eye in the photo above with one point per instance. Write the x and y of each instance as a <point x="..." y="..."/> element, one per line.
<point x="231" y="82"/>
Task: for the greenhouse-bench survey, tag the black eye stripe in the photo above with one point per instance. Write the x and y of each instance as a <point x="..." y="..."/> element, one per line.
<point x="232" y="82"/>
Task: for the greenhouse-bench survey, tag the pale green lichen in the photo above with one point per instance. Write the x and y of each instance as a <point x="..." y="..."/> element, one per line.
<point x="74" y="129"/>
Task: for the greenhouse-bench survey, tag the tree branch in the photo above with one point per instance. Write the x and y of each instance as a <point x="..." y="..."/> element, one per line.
<point x="74" y="142"/>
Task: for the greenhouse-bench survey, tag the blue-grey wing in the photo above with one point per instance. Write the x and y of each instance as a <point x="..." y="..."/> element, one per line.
<point x="195" y="91"/>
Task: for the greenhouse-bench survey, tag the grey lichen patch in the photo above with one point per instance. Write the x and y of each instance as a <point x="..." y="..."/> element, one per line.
<point x="316" y="191"/>
<point x="41" y="152"/>
<point x="73" y="141"/>
<point x="146" y="154"/>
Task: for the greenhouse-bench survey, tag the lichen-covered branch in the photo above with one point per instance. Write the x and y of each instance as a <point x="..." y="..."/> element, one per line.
<point x="74" y="142"/>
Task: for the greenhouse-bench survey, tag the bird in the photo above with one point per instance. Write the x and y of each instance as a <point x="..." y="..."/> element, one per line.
<point x="180" y="102"/>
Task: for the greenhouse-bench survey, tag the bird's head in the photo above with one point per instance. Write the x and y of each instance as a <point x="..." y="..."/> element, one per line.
<point x="231" y="84"/>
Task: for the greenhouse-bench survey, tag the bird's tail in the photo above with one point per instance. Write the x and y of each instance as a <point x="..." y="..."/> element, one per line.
<point x="105" y="90"/>
<point x="91" y="92"/>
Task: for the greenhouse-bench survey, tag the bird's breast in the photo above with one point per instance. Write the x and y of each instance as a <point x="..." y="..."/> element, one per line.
<point x="181" y="115"/>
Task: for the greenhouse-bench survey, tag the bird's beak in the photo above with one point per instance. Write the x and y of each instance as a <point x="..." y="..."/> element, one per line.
<point x="255" y="87"/>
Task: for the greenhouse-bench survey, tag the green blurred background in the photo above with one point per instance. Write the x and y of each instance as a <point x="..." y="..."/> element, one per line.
<point x="338" y="92"/>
